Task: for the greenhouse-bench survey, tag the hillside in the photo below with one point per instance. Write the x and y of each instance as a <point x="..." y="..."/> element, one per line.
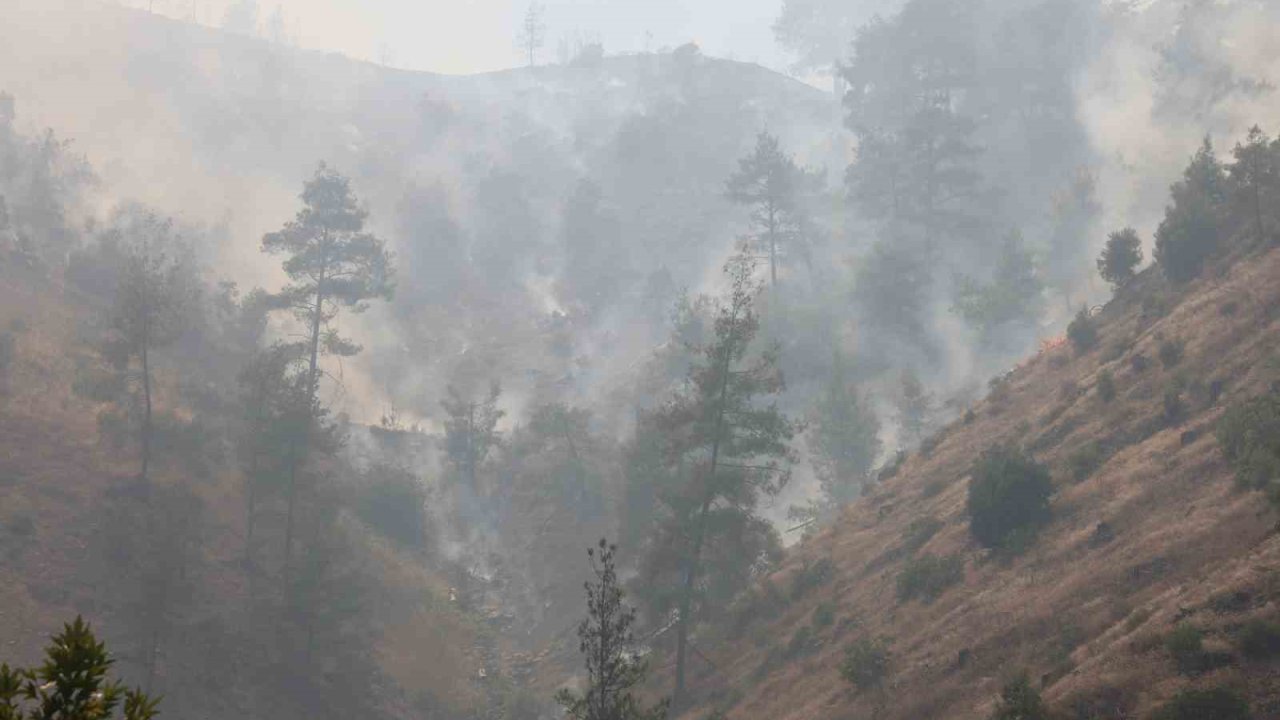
<point x="1155" y="535"/>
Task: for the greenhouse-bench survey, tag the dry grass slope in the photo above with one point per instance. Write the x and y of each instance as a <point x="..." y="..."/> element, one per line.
<point x="1156" y="535"/>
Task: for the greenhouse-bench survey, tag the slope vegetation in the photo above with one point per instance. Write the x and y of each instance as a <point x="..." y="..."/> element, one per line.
<point x="1149" y="532"/>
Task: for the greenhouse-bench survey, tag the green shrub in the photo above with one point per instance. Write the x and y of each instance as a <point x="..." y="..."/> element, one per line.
<point x="1107" y="702"/>
<point x="1212" y="704"/>
<point x="1170" y="353"/>
<point x="888" y="471"/>
<point x="824" y="616"/>
<point x="1249" y="435"/>
<point x="928" y="576"/>
<point x="1019" y="701"/>
<point x="1174" y="409"/>
<point x="1008" y="497"/>
<point x="8" y="347"/>
<point x="392" y="502"/>
<point x="1106" y="386"/>
<point x="866" y="662"/>
<point x="1121" y="255"/>
<point x="1083" y="332"/>
<point x="1260" y="640"/>
<point x="1084" y="460"/>
<point x="802" y="642"/>
<point x="1139" y="363"/>
<point x="1186" y="645"/>
<point x="919" y="532"/>
<point x="812" y="574"/>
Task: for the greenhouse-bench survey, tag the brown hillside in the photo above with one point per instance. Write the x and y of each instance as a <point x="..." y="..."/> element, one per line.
<point x="1158" y="534"/>
<point x="63" y="491"/>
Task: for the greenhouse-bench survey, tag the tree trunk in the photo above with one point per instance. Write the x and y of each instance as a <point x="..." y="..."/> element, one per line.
<point x="1257" y="207"/>
<point x="303" y="437"/>
<point x="146" y="415"/>
<point x="691" y="571"/>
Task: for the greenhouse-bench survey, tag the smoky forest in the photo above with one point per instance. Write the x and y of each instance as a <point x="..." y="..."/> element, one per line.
<point x="623" y="360"/>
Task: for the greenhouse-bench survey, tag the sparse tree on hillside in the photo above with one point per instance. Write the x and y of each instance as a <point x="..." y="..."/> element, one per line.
<point x="916" y="165"/>
<point x="471" y="431"/>
<point x="1020" y="701"/>
<point x="1014" y="297"/>
<point x="843" y="438"/>
<point x="153" y="298"/>
<point x="1121" y="255"/>
<point x="769" y="182"/>
<point x="71" y="684"/>
<point x="1075" y="213"/>
<point x="533" y="32"/>
<point x="1189" y="234"/>
<point x="914" y="406"/>
<point x="818" y="31"/>
<point x="891" y="295"/>
<point x="1008" y="497"/>
<point x="274" y="412"/>
<point x="734" y="447"/>
<point x="1255" y="176"/>
<point x="332" y="264"/>
<point x="608" y="643"/>
<point x="595" y="269"/>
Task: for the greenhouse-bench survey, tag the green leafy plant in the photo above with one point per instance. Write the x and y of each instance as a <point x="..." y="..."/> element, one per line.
<point x="928" y="576"/>
<point x="1249" y="435"/>
<point x="1008" y="497"/>
<point x="1170" y="353"/>
<point x="1121" y="255"/>
<point x="1086" y="459"/>
<point x="1106" y="386"/>
<point x="1083" y="332"/>
<point x="866" y="663"/>
<point x="1260" y="640"/>
<point x="1020" y="701"/>
<point x="71" y="684"/>
<point x="1215" y="703"/>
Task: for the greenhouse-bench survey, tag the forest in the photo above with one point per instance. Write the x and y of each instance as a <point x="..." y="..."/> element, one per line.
<point x="331" y="389"/>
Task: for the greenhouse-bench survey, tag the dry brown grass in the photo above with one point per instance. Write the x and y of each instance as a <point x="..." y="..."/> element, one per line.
<point x="1073" y="610"/>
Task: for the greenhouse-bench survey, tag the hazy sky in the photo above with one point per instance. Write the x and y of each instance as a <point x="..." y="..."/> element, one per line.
<point x="465" y="36"/>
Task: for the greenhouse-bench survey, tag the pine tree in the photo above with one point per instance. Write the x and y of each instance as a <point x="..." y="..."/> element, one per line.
<point x="843" y="437"/>
<point x="733" y="447"/>
<point x="533" y="32"/>
<point x="471" y="431"/>
<point x="153" y="299"/>
<point x="1121" y="255"/>
<point x="769" y="182"/>
<point x="273" y="410"/>
<point x="1075" y="212"/>
<point x="1255" y="176"/>
<point x="608" y="643"/>
<point x="916" y="165"/>
<point x="332" y="264"/>
<point x="1013" y="297"/>
<point x="914" y="405"/>
<point x="1189" y="233"/>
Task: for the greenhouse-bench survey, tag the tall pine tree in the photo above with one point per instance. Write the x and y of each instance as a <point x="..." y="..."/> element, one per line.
<point x="333" y="264"/>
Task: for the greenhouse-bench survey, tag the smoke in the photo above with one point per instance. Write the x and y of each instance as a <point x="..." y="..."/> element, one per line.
<point x="1167" y="75"/>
